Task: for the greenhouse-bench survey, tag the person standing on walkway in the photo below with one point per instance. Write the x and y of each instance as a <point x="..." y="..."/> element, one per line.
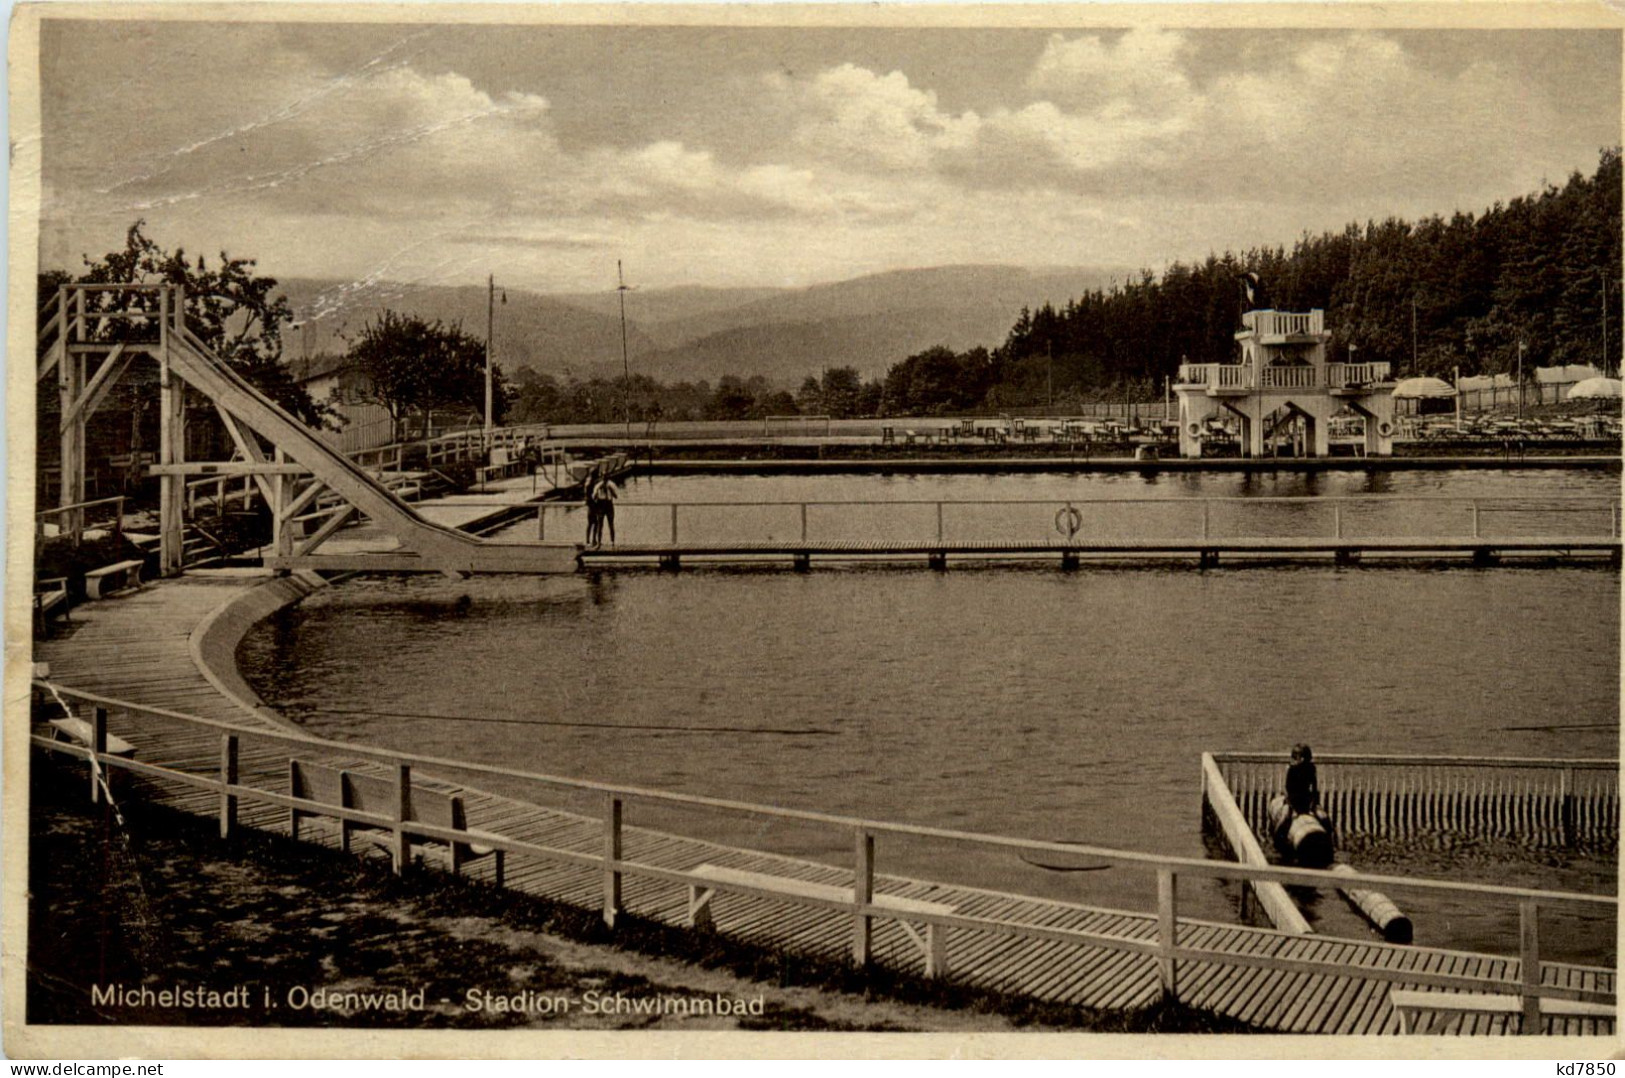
<point x="589" y="493"/>
<point x="606" y="494"/>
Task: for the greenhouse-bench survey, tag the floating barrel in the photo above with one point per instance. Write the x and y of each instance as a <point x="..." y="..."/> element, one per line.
<point x="1304" y="839"/>
<point x="1379" y="909"/>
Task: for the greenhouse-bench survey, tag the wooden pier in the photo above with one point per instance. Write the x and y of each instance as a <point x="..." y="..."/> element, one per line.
<point x="131" y="668"/>
<point x="1206" y="554"/>
<point x="1208" y="532"/>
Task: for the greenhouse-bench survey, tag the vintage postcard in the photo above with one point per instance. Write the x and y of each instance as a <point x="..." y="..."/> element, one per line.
<point x="875" y="530"/>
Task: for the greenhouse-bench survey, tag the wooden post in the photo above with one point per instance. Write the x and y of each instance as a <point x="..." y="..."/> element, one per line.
<point x="98" y="747"/>
<point x="612" y="854"/>
<point x="71" y="490"/>
<point x="939" y="522"/>
<point x="228" y="778"/>
<point x="674" y="523"/>
<point x="803" y="522"/>
<point x="171" y="450"/>
<point x="1475" y="520"/>
<point x="1337" y="522"/>
<point x="402" y="810"/>
<point x="1206" y="508"/>
<point x="1529" y="964"/>
<point x="863" y="892"/>
<point x="1167" y="929"/>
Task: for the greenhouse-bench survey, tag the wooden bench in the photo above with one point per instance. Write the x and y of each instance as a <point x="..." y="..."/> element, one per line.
<point x="80" y="732"/>
<point x="124" y="574"/>
<point x="1412" y="1005"/>
<point x="50" y="600"/>
<point x="933" y="944"/>
<point x="322" y="785"/>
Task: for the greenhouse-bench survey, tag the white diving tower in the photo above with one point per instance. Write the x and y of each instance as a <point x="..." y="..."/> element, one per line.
<point x="1282" y="375"/>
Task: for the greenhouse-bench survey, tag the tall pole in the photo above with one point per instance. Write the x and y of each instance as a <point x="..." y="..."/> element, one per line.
<point x="1413" y="336"/>
<point x="626" y="367"/>
<point x="1520" y="381"/>
<point x="490" y="319"/>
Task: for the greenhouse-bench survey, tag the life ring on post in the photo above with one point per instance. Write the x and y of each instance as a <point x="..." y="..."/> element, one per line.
<point x="1194" y="430"/>
<point x="1385" y="428"/>
<point x="1068" y="521"/>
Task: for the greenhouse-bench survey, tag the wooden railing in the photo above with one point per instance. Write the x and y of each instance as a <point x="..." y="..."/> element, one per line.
<point x="1169" y="948"/>
<point x="1239" y="375"/>
<point x="222" y="494"/>
<point x="1533" y="801"/>
<point x="384" y="458"/>
<point x="1290" y="377"/>
<point x="470" y="443"/>
<point x="1285" y="323"/>
<point x="71" y="518"/>
<point x="1356" y="374"/>
<point x="1197" y="517"/>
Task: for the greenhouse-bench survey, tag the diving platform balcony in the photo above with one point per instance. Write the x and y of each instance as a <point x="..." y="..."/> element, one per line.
<point x="1224" y="379"/>
<point x="1283" y="327"/>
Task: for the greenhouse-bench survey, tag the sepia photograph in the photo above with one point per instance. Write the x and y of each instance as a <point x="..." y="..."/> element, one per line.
<point x="532" y="527"/>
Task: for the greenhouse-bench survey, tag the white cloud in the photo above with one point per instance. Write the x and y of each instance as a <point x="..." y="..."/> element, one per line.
<point x="1147" y="140"/>
<point x="1144" y="66"/>
<point x="853" y="115"/>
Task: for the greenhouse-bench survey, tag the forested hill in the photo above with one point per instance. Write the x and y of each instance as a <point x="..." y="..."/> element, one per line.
<point x="1536" y="269"/>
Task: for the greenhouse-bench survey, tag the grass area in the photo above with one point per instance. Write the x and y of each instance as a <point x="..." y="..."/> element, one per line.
<point x="166" y="904"/>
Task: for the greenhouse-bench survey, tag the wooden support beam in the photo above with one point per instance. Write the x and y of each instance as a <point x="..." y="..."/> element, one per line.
<point x="96" y="390"/>
<point x="1167" y="932"/>
<point x="613" y="808"/>
<point x="228" y="778"/>
<point x="399" y="851"/>
<point x="248" y="445"/>
<point x="863" y="893"/>
<point x="333" y="523"/>
<point x="1529" y="965"/>
<point x="302" y="501"/>
<point x="70" y="388"/>
<point x="58" y="323"/>
<point x="171" y="450"/>
<point x="230" y="468"/>
<point x="98" y="746"/>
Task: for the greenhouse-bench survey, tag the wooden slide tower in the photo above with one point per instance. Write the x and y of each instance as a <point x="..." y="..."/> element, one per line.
<point x="91" y="335"/>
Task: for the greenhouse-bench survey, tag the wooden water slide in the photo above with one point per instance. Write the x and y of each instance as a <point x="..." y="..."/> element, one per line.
<point x="424" y="545"/>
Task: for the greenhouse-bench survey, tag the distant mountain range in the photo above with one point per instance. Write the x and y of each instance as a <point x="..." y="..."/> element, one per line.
<point x="680" y="334"/>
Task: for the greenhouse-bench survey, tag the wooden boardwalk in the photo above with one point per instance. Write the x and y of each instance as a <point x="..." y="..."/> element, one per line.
<point x="136" y="647"/>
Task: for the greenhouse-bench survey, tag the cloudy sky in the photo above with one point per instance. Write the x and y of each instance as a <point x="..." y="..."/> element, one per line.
<point x="763" y="156"/>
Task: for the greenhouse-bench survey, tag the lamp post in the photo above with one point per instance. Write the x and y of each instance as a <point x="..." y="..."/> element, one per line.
<point x="490" y="318"/>
<point x="626" y="366"/>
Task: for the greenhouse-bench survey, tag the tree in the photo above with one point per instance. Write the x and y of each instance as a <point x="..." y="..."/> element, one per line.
<point x="237" y="314"/>
<point x="409" y="365"/>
